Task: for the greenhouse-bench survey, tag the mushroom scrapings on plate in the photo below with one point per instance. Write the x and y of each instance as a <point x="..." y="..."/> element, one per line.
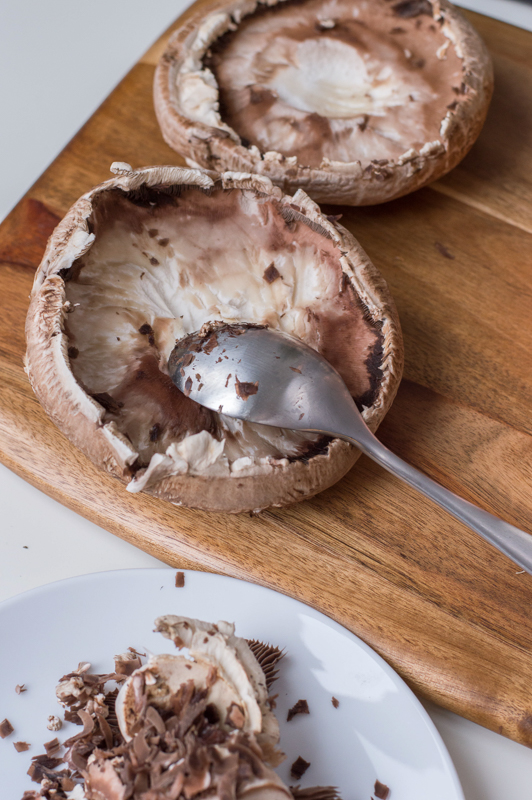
<point x="355" y="101"/>
<point x="151" y="256"/>
<point x="199" y="725"/>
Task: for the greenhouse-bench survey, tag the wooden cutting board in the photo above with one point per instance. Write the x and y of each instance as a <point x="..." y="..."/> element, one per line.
<point x="450" y="613"/>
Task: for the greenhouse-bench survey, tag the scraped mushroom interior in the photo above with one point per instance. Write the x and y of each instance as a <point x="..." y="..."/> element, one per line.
<point x="343" y="80"/>
<point x="163" y="263"/>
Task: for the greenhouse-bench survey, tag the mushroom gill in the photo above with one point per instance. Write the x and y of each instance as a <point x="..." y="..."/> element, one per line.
<point x="355" y="101"/>
<point x="337" y="80"/>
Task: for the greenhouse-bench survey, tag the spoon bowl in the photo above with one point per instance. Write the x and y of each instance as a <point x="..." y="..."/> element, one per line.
<point x="262" y="375"/>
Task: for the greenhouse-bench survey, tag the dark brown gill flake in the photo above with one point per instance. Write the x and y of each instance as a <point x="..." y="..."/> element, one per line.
<point x="335" y="702"/>
<point x="299" y="767"/>
<point x="127" y="663"/>
<point x="245" y="389"/>
<point x="46" y="761"/>
<point x="20" y="747"/>
<point x="38" y="773"/>
<point x="381" y="791"/>
<point x="187" y="360"/>
<point x="52" y="746"/>
<point x="179" y="580"/>
<point x="271" y="273"/>
<point x="210" y="343"/>
<point x="6" y="728"/>
<point x="301" y="707"/>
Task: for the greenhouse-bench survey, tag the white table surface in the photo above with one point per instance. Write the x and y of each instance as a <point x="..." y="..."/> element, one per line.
<point x="58" y="60"/>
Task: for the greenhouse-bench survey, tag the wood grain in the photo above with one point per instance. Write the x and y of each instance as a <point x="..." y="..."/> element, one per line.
<point x="451" y="614"/>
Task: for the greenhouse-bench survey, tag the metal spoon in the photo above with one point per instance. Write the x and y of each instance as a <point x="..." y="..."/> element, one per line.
<point x="261" y="375"/>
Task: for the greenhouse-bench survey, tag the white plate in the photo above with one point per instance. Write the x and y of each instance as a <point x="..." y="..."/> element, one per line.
<point x="379" y="731"/>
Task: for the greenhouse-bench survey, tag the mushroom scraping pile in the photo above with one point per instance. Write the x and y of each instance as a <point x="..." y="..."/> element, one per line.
<point x="181" y="726"/>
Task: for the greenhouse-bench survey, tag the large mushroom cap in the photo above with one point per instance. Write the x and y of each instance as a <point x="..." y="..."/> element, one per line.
<point x="355" y="101"/>
<point x="152" y="255"/>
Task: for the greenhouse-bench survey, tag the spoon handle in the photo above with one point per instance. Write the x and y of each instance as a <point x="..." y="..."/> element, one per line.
<point x="511" y="541"/>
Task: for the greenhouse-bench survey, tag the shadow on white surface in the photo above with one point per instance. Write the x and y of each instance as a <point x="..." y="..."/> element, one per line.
<point x="488" y="765"/>
<point x="42" y="541"/>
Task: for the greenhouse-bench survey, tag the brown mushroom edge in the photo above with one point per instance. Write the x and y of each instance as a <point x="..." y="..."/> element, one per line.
<point x="149" y="257"/>
<point x="234" y="91"/>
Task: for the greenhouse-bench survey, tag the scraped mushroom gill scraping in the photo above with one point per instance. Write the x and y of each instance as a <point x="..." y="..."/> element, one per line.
<point x="355" y="101"/>
<point x="151" y="256"/>
<point x="195" y="723"/>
